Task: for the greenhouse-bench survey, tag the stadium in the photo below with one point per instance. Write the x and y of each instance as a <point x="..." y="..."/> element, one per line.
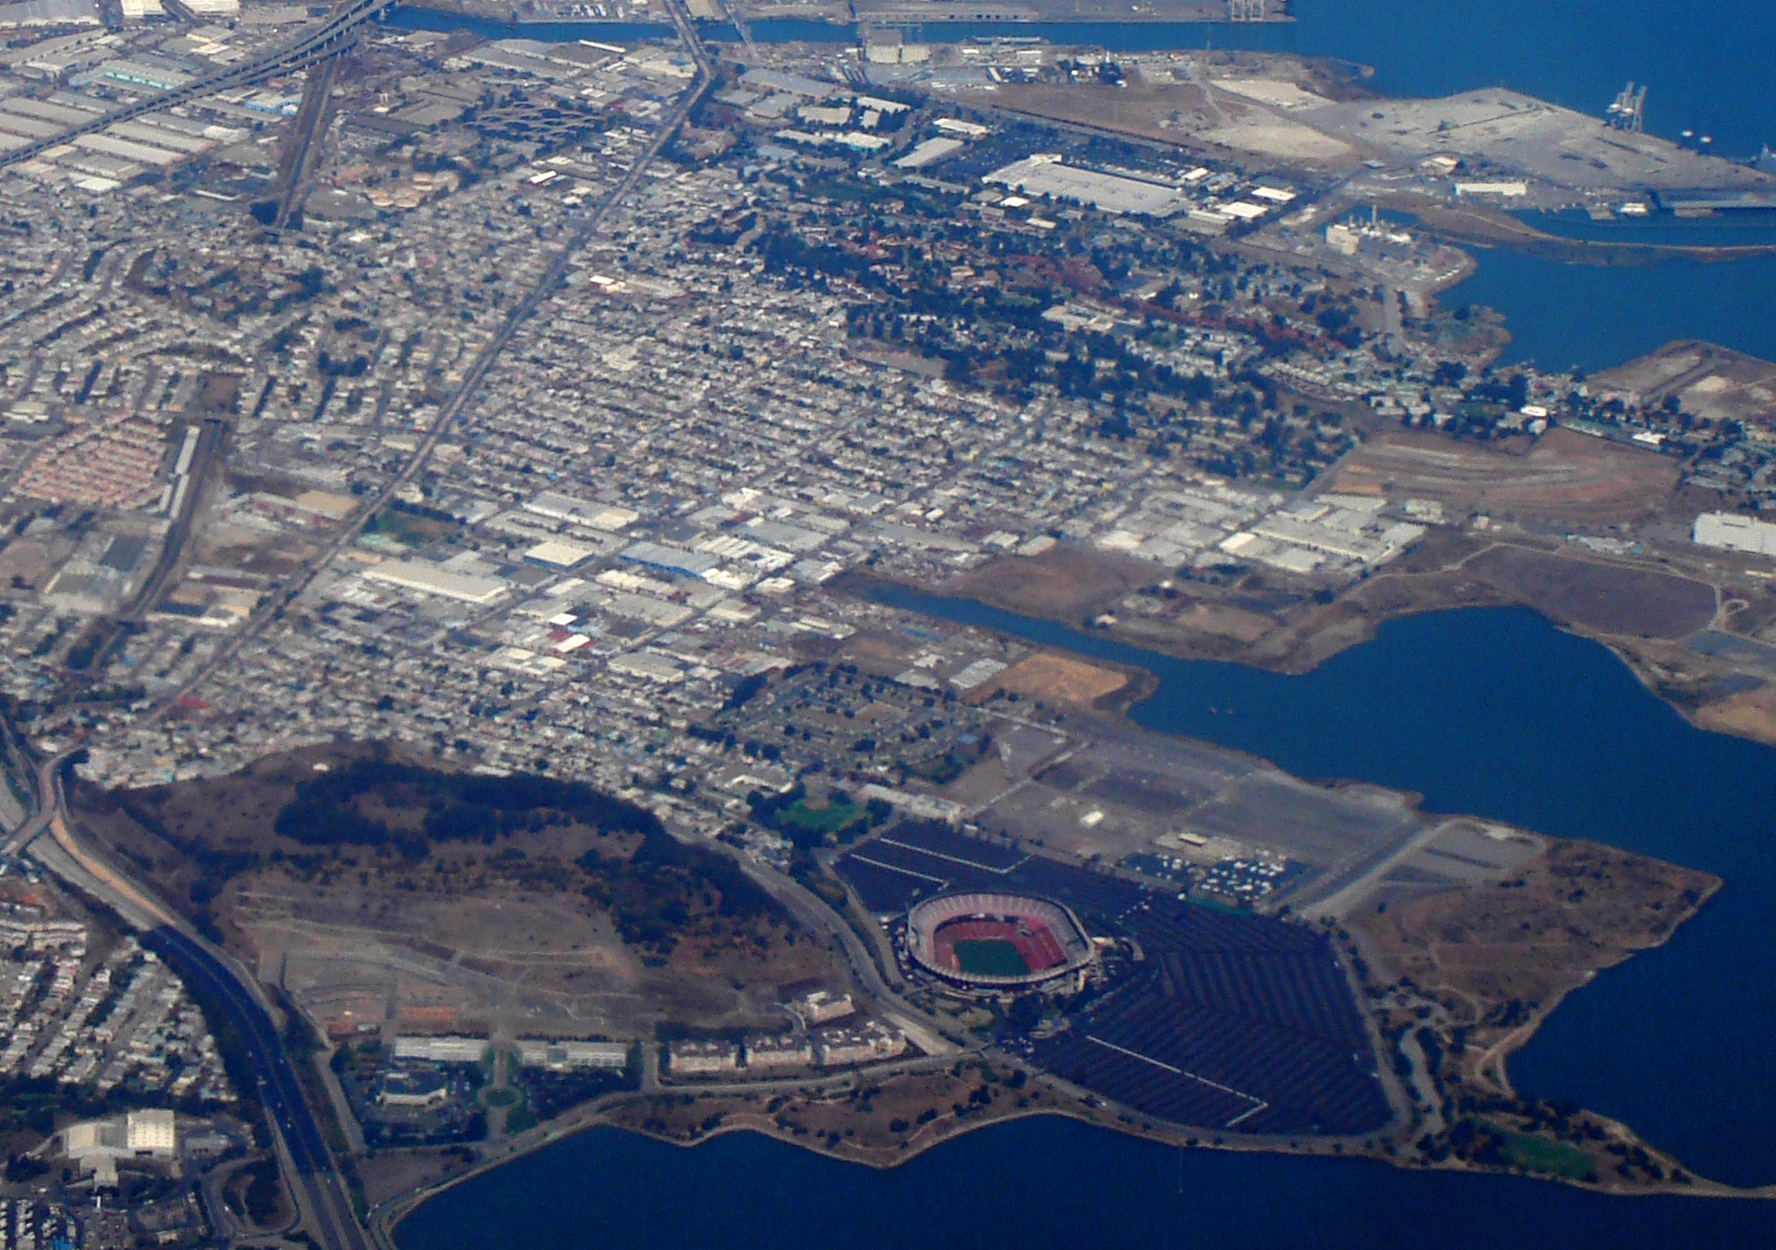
<point x="996" y="941"/>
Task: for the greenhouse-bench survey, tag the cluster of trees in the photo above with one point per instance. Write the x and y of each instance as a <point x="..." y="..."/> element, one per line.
<point x="722" y="233"/>
<point x="457" y="806"/>
<point x="666" y="888"/>
<point x="808" y="827"/>
<point x="786" y="253"/>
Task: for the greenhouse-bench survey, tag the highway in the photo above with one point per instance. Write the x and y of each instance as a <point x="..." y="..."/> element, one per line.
<point x="326" y="39"/>
<point x="301" y="154"/>
<point x="310" y="1169"/>
<point x="927" y="1032"/>
<point x="323" y="1196"/>
<point x="312" y="1174"/>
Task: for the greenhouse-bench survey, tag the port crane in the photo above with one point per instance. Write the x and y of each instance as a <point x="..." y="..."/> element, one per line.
<point x="1626" y="113"/>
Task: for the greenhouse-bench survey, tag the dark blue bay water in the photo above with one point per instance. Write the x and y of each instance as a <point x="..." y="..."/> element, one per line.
<point x="1699" y="62"/>
<point x="1039" y="1184"/>
<point x="1592" y="317"/>
<point x="1489" y="711"/>
<point x="1723" y="230"/>
<point x="1497" y="713"/>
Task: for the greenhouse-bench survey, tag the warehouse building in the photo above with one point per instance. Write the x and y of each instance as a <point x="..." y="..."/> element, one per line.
<point x="447" y="1049"/>
<point x="1044" y="174"/>
<point x="431" y="580"/>
<point x="1734" y="533"/>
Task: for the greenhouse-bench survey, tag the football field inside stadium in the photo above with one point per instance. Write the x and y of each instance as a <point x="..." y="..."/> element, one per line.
<point x="993" y="957"/>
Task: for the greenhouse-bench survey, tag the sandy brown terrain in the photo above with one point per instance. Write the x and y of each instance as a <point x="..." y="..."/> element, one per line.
<point x="1564" y="478"/>
<point x="511" y="934"/>
<point x="1604" y="596"/>
<point x="1714" y="383"/>
<point x="1575" y="909"/>
<point x="1245" y="103"/>
<point x="1051" y="677"/>
<point x="1064" y="583"/>
<point x="1747" y="714"/>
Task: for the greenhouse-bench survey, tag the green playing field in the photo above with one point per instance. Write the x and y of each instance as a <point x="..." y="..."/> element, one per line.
<point x="992" y="958"/>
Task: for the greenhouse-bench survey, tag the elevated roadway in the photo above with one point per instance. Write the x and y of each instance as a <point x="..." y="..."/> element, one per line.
<point x="310" y="1168"/>
<point x="223" y="985"/>
<point x="330" y="37"/>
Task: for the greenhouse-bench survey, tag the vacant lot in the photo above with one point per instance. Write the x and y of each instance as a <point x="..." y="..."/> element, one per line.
<point x="1714" y="383"/>
<point x="1608" y="598"/>
<point x="1185" y="113"/>
<point x="1049" y="677"/>
<point x="1577" y="908"/>
<point x="1565" y="477"/>
<point x="448" y="902"/>
<point x="1064" y="583"/>
<point x="1747" y="713"/>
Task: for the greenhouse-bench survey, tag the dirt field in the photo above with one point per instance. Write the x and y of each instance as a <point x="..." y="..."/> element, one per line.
<point x="1576" y="909"/>
<point x="1183" y="113"/>
<point x="1064" y="583"/>
<point x="1596" y="595"/>
<point x="1564" y="478"/>
<point x="467" y="936"/>
<point x="1050" y="677"/>
<point x="1714" y="383"/>
<point x="1224" y="621"/>
<point x="1748" y="714"/>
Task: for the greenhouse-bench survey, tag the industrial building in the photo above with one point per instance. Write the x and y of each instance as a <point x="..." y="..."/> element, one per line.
<point x="1734" y="533"/>
<point x="441" y="1049"/>
<point x="588" y="512"/>
<point x="97" y="1145"/>
<point x="554" y="554"/>
<point x="430" y="579"/>
<point x="1044" y="174"/>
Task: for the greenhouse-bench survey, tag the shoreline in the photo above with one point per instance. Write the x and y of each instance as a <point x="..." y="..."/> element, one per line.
<point x="824" y="17"/>
<point x="1379" y="1147"/>
<point x="1298" y="660"/>
<point x="386" y="1219"/>
<point x="1488" y="228"/>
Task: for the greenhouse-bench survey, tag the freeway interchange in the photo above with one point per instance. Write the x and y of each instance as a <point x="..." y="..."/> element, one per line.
<point x="324" y="41"/>
<point x="223" y="988"/>
<point x="220" y="984"/>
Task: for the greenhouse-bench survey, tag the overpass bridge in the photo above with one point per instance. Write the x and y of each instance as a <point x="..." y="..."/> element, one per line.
<point x="330" y="37"/>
